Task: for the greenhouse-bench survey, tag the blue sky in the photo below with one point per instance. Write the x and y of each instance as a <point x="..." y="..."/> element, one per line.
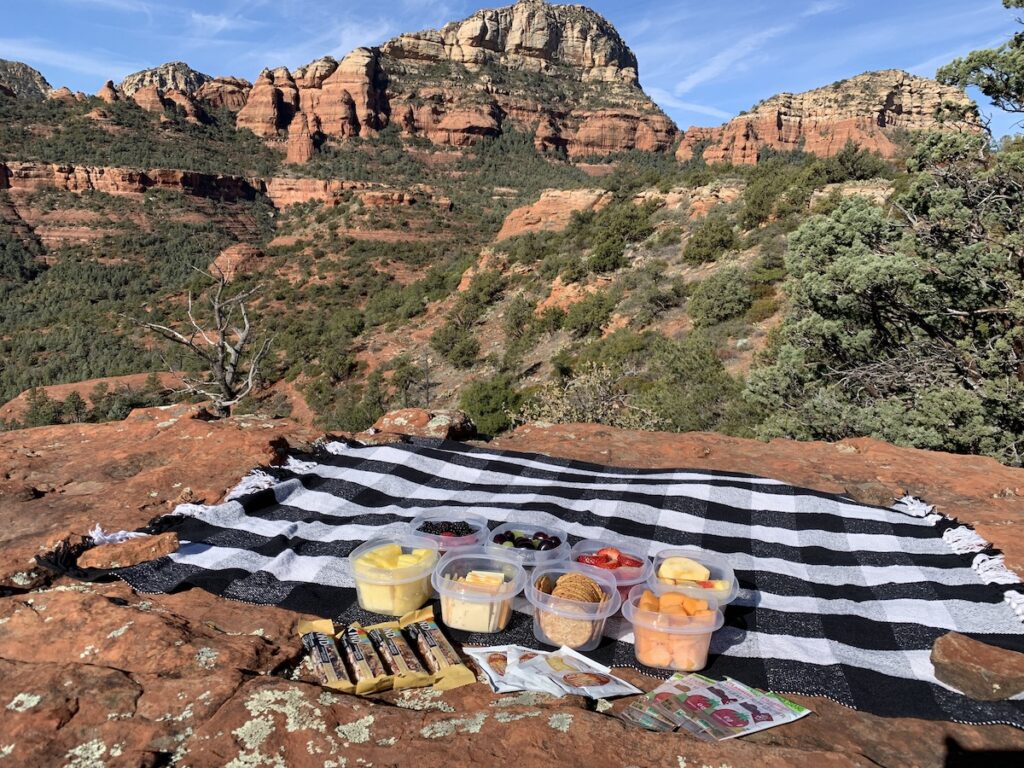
<point x="702" y="61"/>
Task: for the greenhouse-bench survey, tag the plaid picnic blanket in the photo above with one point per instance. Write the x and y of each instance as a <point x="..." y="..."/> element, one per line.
<point x="838" y="599"/>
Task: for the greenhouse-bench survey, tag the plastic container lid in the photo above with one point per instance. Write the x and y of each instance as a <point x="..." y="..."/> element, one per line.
<point x="575" y="609"/>
<point x="624" y="577"/>
<point x="531" y="557"/>
<point x="371" y="574"/>
<point x="667" y="623"/>
<point x="716" y="564"/>
<point x="461" y="561"/>
<point x="446" y="543"/>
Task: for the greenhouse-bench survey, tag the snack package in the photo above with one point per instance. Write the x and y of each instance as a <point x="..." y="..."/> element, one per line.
<point x="435" y="650"/>
<point x="528" y="679"/>
<point x="494" y="663"/>
<point x="318" y="638"/>
<point x="366" y="667"/>
<point x="573" y="673"/>
<point x="399" y="659"/>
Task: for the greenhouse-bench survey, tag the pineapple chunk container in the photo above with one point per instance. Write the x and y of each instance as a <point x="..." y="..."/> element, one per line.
<point x="477" y="588"/>
<point x="696" y="573"/>
<point x="671" y="630"/>
<point x="392" y="574"/>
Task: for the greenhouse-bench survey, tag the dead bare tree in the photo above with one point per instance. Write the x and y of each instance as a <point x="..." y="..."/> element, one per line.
<point x="230" y="356"/>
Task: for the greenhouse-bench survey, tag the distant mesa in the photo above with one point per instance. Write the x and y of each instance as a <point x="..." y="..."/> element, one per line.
<point x="174" y="75"/>
<point x="22" y="81"/>
<point x="867" y="109"/>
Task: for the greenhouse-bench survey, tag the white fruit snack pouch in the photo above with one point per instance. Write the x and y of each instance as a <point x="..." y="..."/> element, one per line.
<point x="572" y="672"/>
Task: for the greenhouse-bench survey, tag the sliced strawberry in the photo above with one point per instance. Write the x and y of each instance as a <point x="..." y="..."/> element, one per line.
<point x="610" y="552"/>
<point x="707" y="585"/>
<point x="597" y="561"/>
<point x="630" y="562"/>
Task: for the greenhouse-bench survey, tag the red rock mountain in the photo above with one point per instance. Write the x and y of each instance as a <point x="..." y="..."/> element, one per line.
<point x="559" y="71"/>
<point x="867" y="109"/>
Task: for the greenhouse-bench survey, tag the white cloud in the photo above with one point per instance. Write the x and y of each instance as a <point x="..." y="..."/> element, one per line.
<point x="666" y="99"/>
<point x="212" y="24"/>
<point x="41" y="55"/>
<point x="726" y="59"/>
<point x="337" y="41"/>
<point x="822" y="6"/>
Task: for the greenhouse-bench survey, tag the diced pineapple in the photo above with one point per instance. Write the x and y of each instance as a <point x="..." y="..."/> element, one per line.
<point x="389" y="551"/>
<point x="403" y="561"/>
<point x="423" y="553"/>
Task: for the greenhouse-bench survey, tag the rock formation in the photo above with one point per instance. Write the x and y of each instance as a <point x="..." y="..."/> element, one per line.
<point x="64" y="94"/>
<point x="174" y="75"/>
<point x="154" y="99"/>
<point x="553" y="211"/>
<point x="561" y="72"/>
<point x="866" y="109"/>
<point x="300" y="148"/>
<point x="23" y="81"/>
<point x="237" y="259"/>
<point x="108" y="93"/>
<point x="225" y="92"/>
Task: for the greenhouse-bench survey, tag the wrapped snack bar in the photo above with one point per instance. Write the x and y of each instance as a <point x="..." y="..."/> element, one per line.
<point x="406" y="670"/>
<point x="365" y="665"/>
<point x="435" y="650"/>
<point x="318" y="638"/>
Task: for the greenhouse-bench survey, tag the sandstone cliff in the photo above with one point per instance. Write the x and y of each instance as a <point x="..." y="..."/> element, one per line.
<point x="867" y="109"/>
<point x="561" y="72"/>
<point x="174" y="75"/>
<point x="23" y="81"/>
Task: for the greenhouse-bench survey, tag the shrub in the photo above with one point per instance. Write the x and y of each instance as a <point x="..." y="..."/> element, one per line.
<point x="455" y="344"/>
<point x="588" y="316"/>
<point x="724" y="295"/>
<point x="712" y="237"/>
<point x="490" y="404"/>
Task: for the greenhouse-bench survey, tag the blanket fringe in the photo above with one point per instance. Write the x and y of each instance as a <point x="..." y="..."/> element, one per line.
<point x="1016" y="601"/>
<point x="913" y="506"/>
<point x="257" y="480"/>
<point x="99" y="536"/>
<point x="992" y="570"/>
<point x="964" y="540"/>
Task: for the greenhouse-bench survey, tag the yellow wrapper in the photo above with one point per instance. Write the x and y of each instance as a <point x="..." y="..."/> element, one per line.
<point x="436" y="651"/>
<point x="407" y="671"/>
<point x="318" y="638"/>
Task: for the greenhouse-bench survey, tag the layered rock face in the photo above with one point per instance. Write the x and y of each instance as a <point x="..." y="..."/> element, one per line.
<point x="866" y="109"/>
<point x="22" y="81"/>
<point x="561" y="72"/>
<point x="174" y="75"/>
<point x="553" y="211"/>
<point x="225" y="92"/>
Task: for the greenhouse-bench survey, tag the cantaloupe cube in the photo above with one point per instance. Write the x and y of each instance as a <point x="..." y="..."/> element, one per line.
<point x="648" y="602"/>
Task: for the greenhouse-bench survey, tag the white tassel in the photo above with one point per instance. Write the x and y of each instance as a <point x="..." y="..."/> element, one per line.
<point x="300" y="467"/>
<point x="190" y="510"/>
<point x="992" y="570"/>
<point x="337" y="447"/>
<point x="963" y="540"/>
<point x="1016" y="601"/>
<point x="257" y="480"/>
<point x="913" y="506"/>
<point x="99" y="536"/>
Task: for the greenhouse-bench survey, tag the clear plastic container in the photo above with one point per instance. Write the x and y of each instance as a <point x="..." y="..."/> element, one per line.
<point x="531" y="557"/>
<point x="626" y="577"/>
<point x="671" y="641"/>
<point x="477" y="607"/>
<point x="397" y="589"/>
<point x="561" y="621"/>
<point x="447" y="543"/>
<point x="719" y="568"/>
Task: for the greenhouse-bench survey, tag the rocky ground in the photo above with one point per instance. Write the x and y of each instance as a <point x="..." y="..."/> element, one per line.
<point x="97" y="675"/>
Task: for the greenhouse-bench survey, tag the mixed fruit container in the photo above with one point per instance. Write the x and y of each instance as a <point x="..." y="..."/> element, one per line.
<point x="674" y="603"/>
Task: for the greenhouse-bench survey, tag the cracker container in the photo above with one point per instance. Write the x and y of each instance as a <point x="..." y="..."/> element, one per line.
<point x="561" y="621"/>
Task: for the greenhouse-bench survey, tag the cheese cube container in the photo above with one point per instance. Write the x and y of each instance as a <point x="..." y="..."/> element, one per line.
<point x="671" y="641"/>
<point x="477" y="588"/>
<point x="718" y="568"/>
<point x="392" y="574"/>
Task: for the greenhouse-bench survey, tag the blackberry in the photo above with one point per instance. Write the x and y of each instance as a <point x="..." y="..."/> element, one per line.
<point x="455" y="528"/>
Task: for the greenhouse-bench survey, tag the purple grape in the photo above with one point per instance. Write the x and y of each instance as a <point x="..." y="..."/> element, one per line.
<point x="541" y="535"/>
<point x="546" y="545"/>
<point x="555" y="541"/>
<point x="523" y="543"/>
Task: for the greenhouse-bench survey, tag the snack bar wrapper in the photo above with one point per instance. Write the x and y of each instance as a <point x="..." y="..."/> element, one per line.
<point x="366" y="667"/>
<point x="574" y="673"/>
<point x="318" y="638"/>
<point x="406" y="670"/>
<point x="436" y="651"/>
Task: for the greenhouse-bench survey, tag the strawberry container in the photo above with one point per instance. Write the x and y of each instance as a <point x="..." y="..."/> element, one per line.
<point x="625" y="573"/>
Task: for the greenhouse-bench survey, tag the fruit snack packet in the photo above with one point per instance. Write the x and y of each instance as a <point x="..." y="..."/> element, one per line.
<point x="493" y="662"/>
<point x="365" y="665"/>
<point x="318" y="638"/>
<point x="406" y="670"/>
<point x="438" y="654"/>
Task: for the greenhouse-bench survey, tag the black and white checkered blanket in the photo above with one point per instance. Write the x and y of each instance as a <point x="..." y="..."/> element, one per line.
<point x="838" y="599"/>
